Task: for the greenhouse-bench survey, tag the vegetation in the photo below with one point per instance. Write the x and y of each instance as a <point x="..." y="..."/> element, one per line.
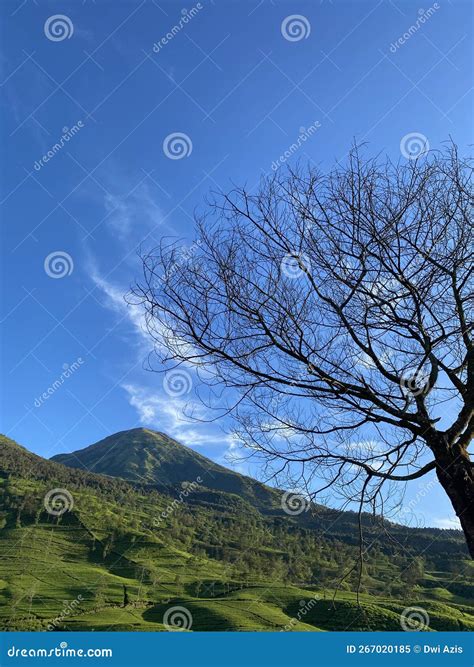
<point x="145" y="456"/>
<point x="125" y="553"/>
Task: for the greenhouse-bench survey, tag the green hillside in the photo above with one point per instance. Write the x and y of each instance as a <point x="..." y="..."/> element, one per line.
<point x="150" y="458"/>
<point x="145" y="456"/>
<point x="128" y="556"/>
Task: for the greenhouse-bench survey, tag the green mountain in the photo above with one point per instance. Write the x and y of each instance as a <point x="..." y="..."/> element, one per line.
<point x="81" y="550"/>
<point x="148" y="457"/>
<point x="151" y="458"/>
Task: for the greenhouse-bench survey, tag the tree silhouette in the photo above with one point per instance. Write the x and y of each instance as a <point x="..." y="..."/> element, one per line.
<point x="337" y="308"/>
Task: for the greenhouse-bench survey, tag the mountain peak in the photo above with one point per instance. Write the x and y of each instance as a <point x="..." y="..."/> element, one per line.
<point x="145" y="456"/>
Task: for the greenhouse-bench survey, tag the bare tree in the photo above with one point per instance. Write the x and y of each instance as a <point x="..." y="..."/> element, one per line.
<point x="337" y="309"/>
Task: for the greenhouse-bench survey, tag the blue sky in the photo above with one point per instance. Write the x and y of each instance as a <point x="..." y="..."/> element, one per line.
<point x="242" y="92"/>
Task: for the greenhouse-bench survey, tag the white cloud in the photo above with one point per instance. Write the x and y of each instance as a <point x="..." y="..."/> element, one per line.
<point x="371" y="447"/>
<point x="129" y="215"/>
<point x="171" y="416"/>
<point x="149" y="338"/>
<point x="135" y="315"/>
<point x="175" y="417"/>
<point x="115" y="301"/>
<point x="131" y="218"/>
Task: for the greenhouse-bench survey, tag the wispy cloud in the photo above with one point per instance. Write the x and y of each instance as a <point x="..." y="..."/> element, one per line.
<point x="148" y="338"/>
<point x="114" y="299"/>
<point x="131" y="218"/>
<point x="134" y="218"/>
<point x="130" y="215"/>
<point x="176" y="417"/>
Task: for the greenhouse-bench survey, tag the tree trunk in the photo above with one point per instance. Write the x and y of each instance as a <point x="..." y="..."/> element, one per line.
<point x="455" y="473"/>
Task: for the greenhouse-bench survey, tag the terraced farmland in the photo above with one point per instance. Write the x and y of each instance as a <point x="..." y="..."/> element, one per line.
<point x="107" y="564"/>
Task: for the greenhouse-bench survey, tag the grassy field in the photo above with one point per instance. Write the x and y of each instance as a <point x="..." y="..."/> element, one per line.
<point x="214" y="563"/>
<point x="49" y="572"/>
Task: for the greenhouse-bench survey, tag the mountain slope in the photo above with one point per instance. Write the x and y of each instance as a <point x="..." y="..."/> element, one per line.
<point x="149" y="457"/>
<point x="123" y="555"/>
<point x="145" y="457"/>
